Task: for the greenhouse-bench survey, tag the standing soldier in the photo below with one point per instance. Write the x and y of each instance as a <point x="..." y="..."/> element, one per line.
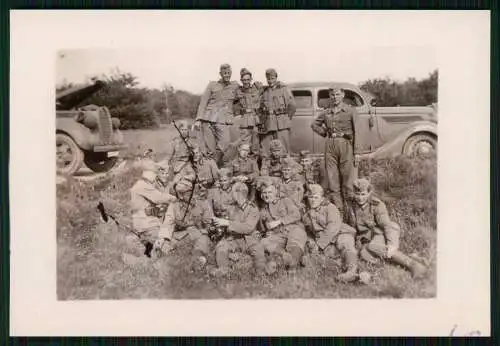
<point x="336" y="124"/>
<point x="323" y="222"/>
<point x="277" y="109"/>
<point x="247" y="104"/>
<point x="272" y="164"/>
<point x="215" y="114"/>
<point x="149" y="199"/>
<point x="245" y="169"/>
<point x="377" y="235"/>
<point x="241" y="233"/>
<point x="186" y="218"/>
<point x="284" y="232"/>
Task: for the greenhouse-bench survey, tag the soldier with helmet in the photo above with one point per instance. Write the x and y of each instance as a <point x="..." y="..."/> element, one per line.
<point x="337" y="125"/>
<point x="377" y="235"/>
<point x="324" y="224"/>
<point x="272" y="164"/>
<point x="215" y="114"/>
<point x="277" y="110"/>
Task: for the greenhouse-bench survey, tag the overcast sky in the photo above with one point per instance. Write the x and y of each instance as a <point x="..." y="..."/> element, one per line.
<point x="316" y="50"/>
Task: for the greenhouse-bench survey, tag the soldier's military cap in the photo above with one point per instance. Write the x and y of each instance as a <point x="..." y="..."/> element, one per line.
<point x="315" y="189"/>
<point x="182" y="124"/>
<point x="361" y="184"/>
<point x="225" y="67"/>
<point x="240" y="187"/>
<point x="288" y="162"/>
<point x="271" y="72"/>
<point x="304" y="153"/>
<point x="265" y="182"/>
<point x="244" y="145"/>
<point x="275" y="144"/>
<point x="245" y="71"/>
<point x="336" y="88"/>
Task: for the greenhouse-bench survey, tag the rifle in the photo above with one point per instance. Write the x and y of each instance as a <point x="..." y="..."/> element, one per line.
<point x="105" y="216"/>
<point x="193" y="165"/>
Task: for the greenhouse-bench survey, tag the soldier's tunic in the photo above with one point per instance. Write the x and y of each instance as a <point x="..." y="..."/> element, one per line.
<point x="178" y="154"/>
<point x="294" y="190"/>
<point x="324" y="225"/>
<point x="149" y="201"/>
<point x="272" y="167"/>
<point x="241" y="235"/>
<point x="277" y="108"/>
<point x="375" y="230"/>
<point x="215" y="113"/>
<point x="337" y="125"/>
<point x="193" y="226"/>
<point x="308" y="175"/>
<point x="247" y="104"/>
<point x="219" y="200"/>
<point x="207" y="171"/>
<point x="248" y="168"/>
<point x="291" y="233"/>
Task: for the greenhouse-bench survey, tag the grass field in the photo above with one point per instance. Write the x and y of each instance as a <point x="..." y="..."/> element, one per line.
<point x="90" y="263"/>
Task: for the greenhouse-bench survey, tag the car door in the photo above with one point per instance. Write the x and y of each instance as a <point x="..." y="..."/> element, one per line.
<point x="301" y="137"/>
<point x="366" y="129"/>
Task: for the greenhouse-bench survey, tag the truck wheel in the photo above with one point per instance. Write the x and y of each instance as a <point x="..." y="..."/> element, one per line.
<point x="99" y="162"/>
<point x="420" y="145"/>
<point x="69" y="156"/>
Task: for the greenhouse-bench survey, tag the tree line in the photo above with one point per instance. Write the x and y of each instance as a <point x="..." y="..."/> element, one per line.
<point x="139" y="107"/>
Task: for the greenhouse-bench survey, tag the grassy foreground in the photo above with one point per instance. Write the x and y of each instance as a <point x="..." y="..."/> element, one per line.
<point x="90" y="261"/>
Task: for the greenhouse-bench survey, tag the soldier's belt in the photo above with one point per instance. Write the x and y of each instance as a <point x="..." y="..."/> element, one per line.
<point x="333" y="135"/>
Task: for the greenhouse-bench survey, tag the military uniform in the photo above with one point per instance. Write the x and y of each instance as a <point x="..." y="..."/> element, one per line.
<point x="247" y="104"/>
<point x="272" y="167"/>
<point x="215" y="113"/>
<point x="337" y="125"/>
<point x="290" y="236"/>
<point x="246" y="168"/>
<point x="325" y="226"/>
<point x="294" y="190"/>
<point x="219" y="200"/>
<point x="277" y="110"/>
<point x="241" y="236"/>
<point x="149" y="201"/>
<point x="178" y="154"/>
<point x="207" y="172"/>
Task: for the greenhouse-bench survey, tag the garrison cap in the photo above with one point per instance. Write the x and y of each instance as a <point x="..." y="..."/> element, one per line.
<point x="245" y="71"/>
<point x="271" y="72"/>
<point x="265" y="182"/>
<point x="336" y="88"/>
<point x="315" y="189"/>
<point x="244" y="145"/>
<point x="361" y="184"/>
<point x="304" y="153"/>
<point x="225" y="67"/>
<point x="182" y="124"/>
<point x="240" y="187"/>
<point x="275" y="144"/>
<point x="288" y="162"/>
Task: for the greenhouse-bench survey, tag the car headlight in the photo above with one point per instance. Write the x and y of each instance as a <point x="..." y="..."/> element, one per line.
<point x="115" y="122"/>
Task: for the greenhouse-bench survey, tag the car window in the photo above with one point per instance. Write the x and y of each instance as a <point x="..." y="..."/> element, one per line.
<point x="351" y="98"/>
<point x="303" y="98"/>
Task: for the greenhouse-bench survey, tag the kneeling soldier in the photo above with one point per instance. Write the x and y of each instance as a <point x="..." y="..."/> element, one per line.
<point x="377" y="235"/>
<point x="241" y="234"/>
<point x="324" y="223"/>
<point x="281" y="223"/>
<point x="186" y="220"/>
<point x="149" y="200"/>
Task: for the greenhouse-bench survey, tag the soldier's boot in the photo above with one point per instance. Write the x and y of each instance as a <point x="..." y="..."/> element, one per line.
<point x="351" y="264"/>
<point x="271" y="267"/>
<point x="417" y="269"/>
<point x="199" y="262"/>
<point x="366" y="255"/>
<point x="292" y="257"/>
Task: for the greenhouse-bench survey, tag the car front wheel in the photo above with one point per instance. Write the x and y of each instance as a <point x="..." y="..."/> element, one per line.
<point x="99" y="162"/>
<point x="69" y="156"/>
<point x="420" y="145"/>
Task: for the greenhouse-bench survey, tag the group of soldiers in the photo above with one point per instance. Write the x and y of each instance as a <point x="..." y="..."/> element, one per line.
<point x="263" y="201"/>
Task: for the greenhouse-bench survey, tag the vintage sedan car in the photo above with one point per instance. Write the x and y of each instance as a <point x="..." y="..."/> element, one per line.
<point x="85" y="135"/>
<point x="380" y="131"/>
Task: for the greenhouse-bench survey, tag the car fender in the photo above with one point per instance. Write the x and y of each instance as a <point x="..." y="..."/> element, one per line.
<point x="395" y="146"/>
<point x="78" y="132"/>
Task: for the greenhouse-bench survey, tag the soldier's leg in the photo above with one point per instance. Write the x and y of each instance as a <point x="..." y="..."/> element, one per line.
<point x="256" y="250"/>
<point x="376" y="247"/>
<point x="345" y="244"/>
<point x="284" y="137"/>
<point x="346" y="169"/>
<point x="206" y="138"/>
<point x="255" y="142"/>
<point x="333" y="175"/>
<point x="265" y="141"/>
<point x="296" y="242"/>
<point x="200" y="247"/>
<point x="222" y="139"/>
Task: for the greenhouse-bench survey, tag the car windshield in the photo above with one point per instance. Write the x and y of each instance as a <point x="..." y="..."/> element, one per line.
<point x="351" y="98"/>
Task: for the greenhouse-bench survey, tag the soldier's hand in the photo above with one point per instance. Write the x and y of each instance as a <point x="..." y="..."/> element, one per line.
<point x="196" y="126"/>
<point x="391" y="250"/>
<point x="273" y="224"/>
<point x="220" y="222"/>
<point x="357" y="159"/>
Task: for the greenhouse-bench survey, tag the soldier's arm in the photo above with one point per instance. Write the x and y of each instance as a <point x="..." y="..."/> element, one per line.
<point x="168" y="225"/>
<point x="391" y="229"/>
<point x="246" y="226"/>
<point x="204" y="101"/>
<point x="333" y="223"/>
<point x="354" y="119"/>
<point x="264" y="169"/>
<point x="293" y="212"/>
<point x="317" y="125"/>
<point x="291" y="106"/>
<point x="155" y="196"/>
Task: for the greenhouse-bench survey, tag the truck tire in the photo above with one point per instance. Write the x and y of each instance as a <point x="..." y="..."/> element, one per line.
<point x="420" y="145"/>
<point x="99" y="162"/>
<point x="69" y="156"/>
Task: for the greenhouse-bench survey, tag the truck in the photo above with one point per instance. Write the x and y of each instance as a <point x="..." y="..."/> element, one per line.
<point x="85" y="134"/>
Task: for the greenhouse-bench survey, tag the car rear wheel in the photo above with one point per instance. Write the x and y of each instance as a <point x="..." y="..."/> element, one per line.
<point x="420" y="145"/>
<point x="99" y="162"/>
<point x="69" y="156"/>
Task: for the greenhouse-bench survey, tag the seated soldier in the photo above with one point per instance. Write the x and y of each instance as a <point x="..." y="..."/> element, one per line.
<point x="281" y="224"/>
<point x="245" y="169"/>
<point x="186" y="218"/>
<point x="324" y="224"/>
<point x="220" y="198"/>
<point x="149" y="199"/>
<point x="240" y="232"/>
<point x="289" y="187"/>
<point x="177" y="151"/>
<point x="377" y="236"/>
<point x="309" y="172"/>
<point x="271" y="166"/>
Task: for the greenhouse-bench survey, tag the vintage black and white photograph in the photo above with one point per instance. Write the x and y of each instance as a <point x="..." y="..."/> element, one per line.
<point x="249" y="180"/>
<point x="224" y="158"/>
